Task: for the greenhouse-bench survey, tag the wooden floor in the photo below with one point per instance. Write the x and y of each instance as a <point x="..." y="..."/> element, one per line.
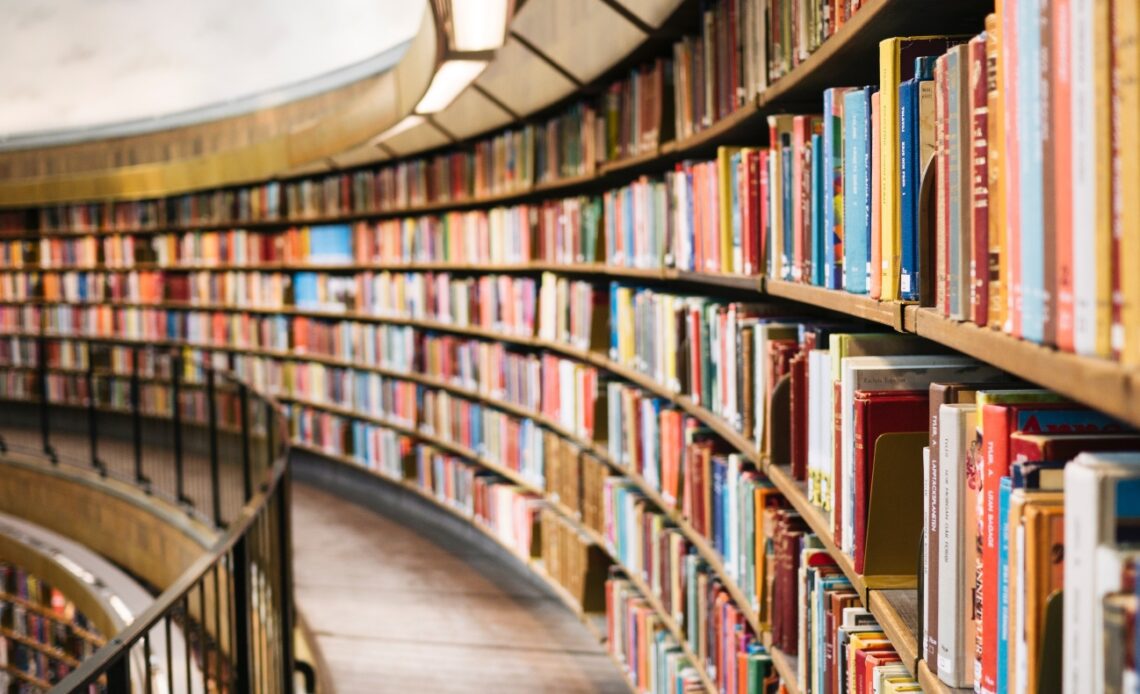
<point x="400" y="610"/>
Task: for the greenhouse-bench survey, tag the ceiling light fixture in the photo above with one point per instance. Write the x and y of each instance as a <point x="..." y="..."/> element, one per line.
<point x="405" y="125"/>
<point x="450" y="79"/>
<point x="478" y="25"/>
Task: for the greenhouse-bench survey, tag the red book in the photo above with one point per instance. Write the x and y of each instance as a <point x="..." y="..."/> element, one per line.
<point x="872" y="660"/>
<point x="1034" y="448"/>
<point x="754" y="228"/>
<point x="836" y="602"/>
<point x="799" y="415"/>
<point x="878" y="413"/>
<point x="765" y="213"/>
<point x="979" y="264"/>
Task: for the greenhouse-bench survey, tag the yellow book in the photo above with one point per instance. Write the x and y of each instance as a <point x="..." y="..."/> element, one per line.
<point x="892" y="72"/>
<point x="1102" y="57"/>
<point x="724" y="213"/>
<point x="1126" y="191"/>
<point x="859" y="642"/>
<point x="996" y="137"/>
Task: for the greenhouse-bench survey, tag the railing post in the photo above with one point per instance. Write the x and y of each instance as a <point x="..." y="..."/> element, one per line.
<point x="176" y="417"/>
<point x="285" y="565"/>
<point x="246" y="476"/>
<point x="243" y="606"/>
<point x="45" y="416"/>
<point x="271" y="450"/>
<point x="119" y="675"/>
<point x="93" y="416"/>
<point x="136" y="421"/>
<point x="215" y="475"/>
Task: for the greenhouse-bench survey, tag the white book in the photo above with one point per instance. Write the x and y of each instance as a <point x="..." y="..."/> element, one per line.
<point x="929" y="486"/>
<point x="880" y="673"/>
<point x="957" y="549"/>
<point x="886" y="373"/>
<point x="1091" y="485"/>
<point x="1084" y="120"/>
<point x="819" y="383"/>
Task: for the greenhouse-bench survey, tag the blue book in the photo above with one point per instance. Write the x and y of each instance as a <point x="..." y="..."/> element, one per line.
<point x="819" y="233"/>
<point x="719" y="510"/>
<point x="911" y="176"/>
<point x="857" y="189"/>
<point x="1004" y="492"/>
<point x="788" y="214"/>
<point x="1030" y="171"/>
<point x="330" y="243"/>
<point x="613" y="320"/>
<point x="305" y="293"/>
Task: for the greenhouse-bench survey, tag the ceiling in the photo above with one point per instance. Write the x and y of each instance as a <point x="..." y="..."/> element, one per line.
<point x="78" y="69"/>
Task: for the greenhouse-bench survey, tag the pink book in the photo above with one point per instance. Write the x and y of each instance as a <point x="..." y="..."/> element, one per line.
<point x="876" y="287"/>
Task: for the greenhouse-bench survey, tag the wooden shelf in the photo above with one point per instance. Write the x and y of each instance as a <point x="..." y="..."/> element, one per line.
<point x="1100" y="383"/>
<point x="50" y="651"/>
<point x="888" y="313"/>
<point x="897" y="612"/>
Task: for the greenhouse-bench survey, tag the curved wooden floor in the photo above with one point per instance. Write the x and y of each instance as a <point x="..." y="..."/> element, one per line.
<point x="397" y="608"/>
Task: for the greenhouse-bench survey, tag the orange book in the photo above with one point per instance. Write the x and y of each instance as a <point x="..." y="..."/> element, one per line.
<point x="876" y="286"/>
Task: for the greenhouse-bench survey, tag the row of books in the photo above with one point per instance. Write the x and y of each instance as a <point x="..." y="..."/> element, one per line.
<point x="575" y="478"/>
<point x="43" y="636"/>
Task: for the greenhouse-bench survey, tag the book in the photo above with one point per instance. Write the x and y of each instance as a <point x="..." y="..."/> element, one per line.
<point x="857" y="189"/>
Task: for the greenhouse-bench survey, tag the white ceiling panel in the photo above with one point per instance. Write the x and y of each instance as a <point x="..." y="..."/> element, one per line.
<point x="585" y="37"/>
<point x="523" y="81"/>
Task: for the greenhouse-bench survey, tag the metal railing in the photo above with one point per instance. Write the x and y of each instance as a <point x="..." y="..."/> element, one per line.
<point x="189" y="433"/>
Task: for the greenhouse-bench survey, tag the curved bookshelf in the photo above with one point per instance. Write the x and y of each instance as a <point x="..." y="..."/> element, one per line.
<point x="844" y="58"/>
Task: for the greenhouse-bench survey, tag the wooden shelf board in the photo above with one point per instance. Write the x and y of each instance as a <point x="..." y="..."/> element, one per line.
<point x="897" y="612"/>
<point x="930" y="682"/>
<point x="888" y="313"/>
<point x="788" y="667"/>
<point x="630" y="164"/>
<point x="1100" y="383"/>
<point x="745" y="125"/>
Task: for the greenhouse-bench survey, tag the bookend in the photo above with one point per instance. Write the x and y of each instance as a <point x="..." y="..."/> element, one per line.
<point x="894" y="512"/>
<point x="1049" y="672"/>
<point x="779" y="429"/>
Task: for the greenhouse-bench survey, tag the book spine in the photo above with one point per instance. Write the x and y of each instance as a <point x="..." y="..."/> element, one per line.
<point x="1064" y="187"/>
<point x="856" y="201"/>
<point x="957" y="193"/>
<point x="955" y="615"/>
<point x="1031" y="129"/>
<point x="1126" y="202"/>
<point x="829" y="192"/>
<point x="819" y="202"/>
<point x="1012" y="162"/>
<point x="876" y="235"/>
<point x="996" y="260"/>
<point x="979" y="189"/>
<point x="908" y="188"/>
<point x="888" y="142"/>
<point x="942" y="197"/>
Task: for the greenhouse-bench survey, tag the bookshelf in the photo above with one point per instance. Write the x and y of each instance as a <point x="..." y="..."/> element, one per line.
<point x="849" y="56"/>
